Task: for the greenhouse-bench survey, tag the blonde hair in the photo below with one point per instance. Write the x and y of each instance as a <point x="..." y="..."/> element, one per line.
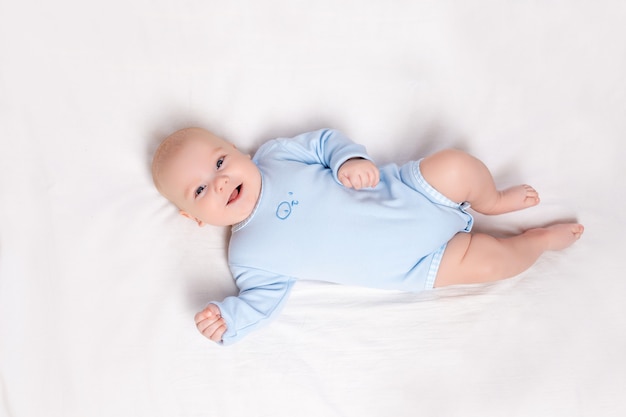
<point x="168" y="148"/>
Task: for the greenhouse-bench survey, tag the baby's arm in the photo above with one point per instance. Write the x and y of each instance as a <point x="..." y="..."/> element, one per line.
<point x="358" y="173"/>
<point x="328" y="147"/>
<point x="210" y="323"/>
<point x="261" y="297"/>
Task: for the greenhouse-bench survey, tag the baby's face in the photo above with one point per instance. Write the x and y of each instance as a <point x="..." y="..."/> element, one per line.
<point x="211" y="181"/>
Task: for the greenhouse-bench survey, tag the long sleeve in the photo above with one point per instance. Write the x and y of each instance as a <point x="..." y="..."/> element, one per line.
<point x="261" y="297"/>
<point x="327" y="147"/>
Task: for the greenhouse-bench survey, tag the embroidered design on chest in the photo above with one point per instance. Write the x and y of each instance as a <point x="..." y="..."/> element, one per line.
<point x="285" y="208"/>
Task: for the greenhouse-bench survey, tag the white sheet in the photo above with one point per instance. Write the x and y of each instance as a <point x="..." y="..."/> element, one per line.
<point x="100" y="278"/>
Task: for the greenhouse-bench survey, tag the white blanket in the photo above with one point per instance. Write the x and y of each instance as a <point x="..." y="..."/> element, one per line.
<point x="100" y="277"/>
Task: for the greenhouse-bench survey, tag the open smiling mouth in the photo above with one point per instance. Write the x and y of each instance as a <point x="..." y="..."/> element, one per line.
<point x="235" y="194"/>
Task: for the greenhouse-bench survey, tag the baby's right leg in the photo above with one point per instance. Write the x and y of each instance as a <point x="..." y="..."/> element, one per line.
<point x="476" y="258"/>
<point x="461" y="177"/>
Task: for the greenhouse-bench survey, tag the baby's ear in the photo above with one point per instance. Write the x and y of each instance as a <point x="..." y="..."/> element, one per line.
<point x="190" y="217"/>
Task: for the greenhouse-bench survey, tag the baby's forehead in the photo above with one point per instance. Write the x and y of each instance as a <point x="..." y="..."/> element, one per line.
<point x="182" y="145"/>
<point x="191" y="152"/>
<point x="182" y="151"/>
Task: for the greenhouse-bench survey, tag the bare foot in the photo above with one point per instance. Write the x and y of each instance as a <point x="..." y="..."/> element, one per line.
<point x="515" y="198"/>
<point x="561" y="236"/>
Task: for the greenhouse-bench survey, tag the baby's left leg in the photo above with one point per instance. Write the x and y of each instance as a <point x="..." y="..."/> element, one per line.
<point x="461" y="177"/>
<point x="475" y="258"/>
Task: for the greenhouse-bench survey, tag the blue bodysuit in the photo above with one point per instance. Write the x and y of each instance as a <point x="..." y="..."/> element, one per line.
<point x="306" y="225"/>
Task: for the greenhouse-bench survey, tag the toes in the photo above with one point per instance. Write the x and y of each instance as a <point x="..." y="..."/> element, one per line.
<point x="511" y="199"/>
<point x="578" y="230"/>
<point x="531" y="197"/>
<point x="530" y="191"/>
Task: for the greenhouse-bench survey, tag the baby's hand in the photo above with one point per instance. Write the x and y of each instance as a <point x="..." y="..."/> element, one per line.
<point x="210" y="323"/>
<point x="358" y="173"/>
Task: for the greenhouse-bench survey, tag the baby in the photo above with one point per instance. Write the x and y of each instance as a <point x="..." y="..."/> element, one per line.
<point x="316" y="207"/>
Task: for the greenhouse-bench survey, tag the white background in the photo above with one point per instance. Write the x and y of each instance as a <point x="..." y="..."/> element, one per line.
<point x="100" y="277"/>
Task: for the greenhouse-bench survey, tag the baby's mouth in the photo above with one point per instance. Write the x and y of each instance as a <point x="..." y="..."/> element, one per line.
<point x="235" y="194"/>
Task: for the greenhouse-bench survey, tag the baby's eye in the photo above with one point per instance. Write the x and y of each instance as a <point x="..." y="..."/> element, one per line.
<point x="219" y="163"/>
<point x="199" y="190"/>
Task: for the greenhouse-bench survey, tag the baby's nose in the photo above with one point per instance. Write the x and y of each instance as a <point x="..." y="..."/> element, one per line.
<point x="220" y="183"/>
